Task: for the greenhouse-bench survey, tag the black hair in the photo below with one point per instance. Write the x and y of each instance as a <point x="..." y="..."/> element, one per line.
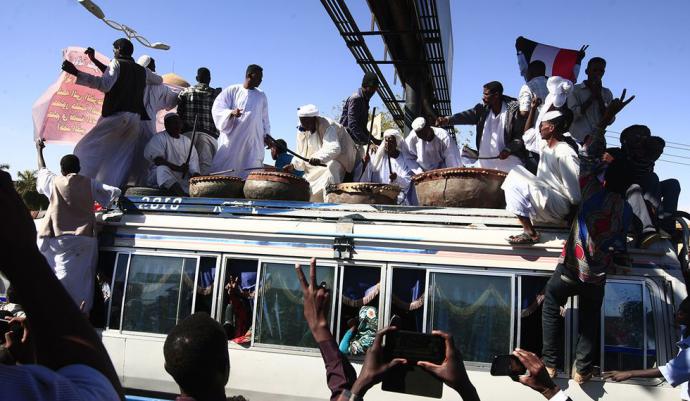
<point x="70" y="164"/>
<point x="126" y="47"/>
<point x="537" y="68"/>
<point x="203" y="75"/>
<point x="617" y="176"/>
<point x="633" y="133"/>
<point x="562" y="123"/>
<point x="370" y="80"/>
<point x="494" y="87"/>
<point x="596" y="60"/>
<point x="253" y="68"/>
<point x="685" y="305"/>
<point x="196" y="354"/>
<point x="280" y="145"/>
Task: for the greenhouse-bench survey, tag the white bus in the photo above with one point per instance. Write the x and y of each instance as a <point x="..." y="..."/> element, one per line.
<point x="436" y="268"/>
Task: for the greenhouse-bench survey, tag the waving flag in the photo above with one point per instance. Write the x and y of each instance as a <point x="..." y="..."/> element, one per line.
<point x="559" y="62"/>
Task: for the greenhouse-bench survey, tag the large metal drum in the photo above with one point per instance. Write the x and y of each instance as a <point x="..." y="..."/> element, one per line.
<point x="216" y="186"/>
<point x="363" y="192"/>
<point x="461" y="187"/>
<point x="275" y="185"/>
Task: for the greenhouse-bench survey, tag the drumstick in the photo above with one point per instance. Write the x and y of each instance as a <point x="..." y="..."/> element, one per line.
<point x="191" y="145"/>
<point x="390" y="166"/>
<point x="222" y="172"/>
<point x="270" y="138"/>
<point x="371" y="128"/>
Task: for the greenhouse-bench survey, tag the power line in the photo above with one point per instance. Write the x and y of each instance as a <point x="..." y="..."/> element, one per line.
<point x="680" y="146"/>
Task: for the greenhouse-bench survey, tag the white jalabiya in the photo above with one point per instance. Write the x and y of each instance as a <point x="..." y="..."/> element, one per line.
<point x="156" y="98"/>
<point x="241" y="140"/>
<point x="73" y="258"/>
<point x="548" y="196"/>
<point x="106" y="152"/>
<point x="493" y="142"/>
<point x="378" y="169"/>
<point x="175" y="151"/>
<point x="440" y="152"/>
<point x="334" y="147"/>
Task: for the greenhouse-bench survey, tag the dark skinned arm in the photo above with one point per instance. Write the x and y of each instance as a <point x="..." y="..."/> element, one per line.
<point x="40" y="144"/>
<point x="61" y="333"/>
<point x="92" y="56"/>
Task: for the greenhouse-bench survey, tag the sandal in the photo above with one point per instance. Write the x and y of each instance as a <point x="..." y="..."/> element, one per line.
<point x="523" y="239"/>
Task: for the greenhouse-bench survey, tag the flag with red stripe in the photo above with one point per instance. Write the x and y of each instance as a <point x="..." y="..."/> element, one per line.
<point x="559" y="62"/>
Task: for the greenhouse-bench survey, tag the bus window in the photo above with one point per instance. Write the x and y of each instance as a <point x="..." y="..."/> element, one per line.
<point x="238" y="299"/>
<point x="629" y="334"/>
<point x="475" y="309"/>
<point x="204" y="287"/>
<point x="359" y="313"/>
<point x="101" y="290"/>
<point x="407" y="299"/>
<point x="280" y="310"/>
<point x="159" y="292"/>
<point x="118" y="289"/>
<point x="531" y="301"/>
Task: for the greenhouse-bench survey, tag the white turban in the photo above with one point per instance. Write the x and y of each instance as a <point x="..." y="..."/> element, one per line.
<point x="559" y="89"/>
<point x="418" y="124"/>
<point x="381" y="151"/>
<point x="551" y="115"/>
<point x="144" y="60"/>
<point x="308" y="110"/>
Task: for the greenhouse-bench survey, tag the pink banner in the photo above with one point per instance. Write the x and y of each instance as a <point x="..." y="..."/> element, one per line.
<point x="67" y="111"/>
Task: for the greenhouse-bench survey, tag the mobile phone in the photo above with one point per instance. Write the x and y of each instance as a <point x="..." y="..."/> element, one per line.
<point x="507" y="365"/>
<point x="6" y="326"/>
<point x="410" y="378"/>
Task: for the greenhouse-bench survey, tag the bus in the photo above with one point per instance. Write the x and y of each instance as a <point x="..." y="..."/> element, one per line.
<point x="163" y="258"/>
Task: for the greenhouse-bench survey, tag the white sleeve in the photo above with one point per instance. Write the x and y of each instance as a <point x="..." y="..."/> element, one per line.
<point x="531" y="138"/>
<point x="155" y="147"/>
<point x="296" y="162"/>
<point x="330" y="149"/>
<point x="264" y="117"/>
<point x="411" y="157"/>
<point x="44" y="182"/>
<point x="152" y="78"/>
<point x="105" y="82"/>
<point x="569" y="167"/>
<point x="222" y="107"/>
<point x="169" y="98"/>
<point x="525" y="98"/>
<point x="194" y="161"/>
<point x="104" y="194"/>
<point x="677" y="370"/>
<point x="452" y="153"/>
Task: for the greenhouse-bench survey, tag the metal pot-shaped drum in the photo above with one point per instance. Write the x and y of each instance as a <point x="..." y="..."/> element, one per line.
<point x="363" y="192"/>
<point x="216" y="186"/>
<point x="275" y="185"/>
<point x="461" y="187"/>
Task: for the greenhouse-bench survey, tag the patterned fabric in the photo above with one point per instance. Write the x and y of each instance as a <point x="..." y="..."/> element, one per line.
<point x="598" y="231"/>
<point x="366" y="331"/>
<point x="198" y="100"/>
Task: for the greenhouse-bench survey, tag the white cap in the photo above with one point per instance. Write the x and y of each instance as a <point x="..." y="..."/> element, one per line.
<point x="308" y="110"/>
<point x="560" y="88"/>
<point x="144" y="60"/>
<point x="418" y="123"/>
<point x="551" y="115"/>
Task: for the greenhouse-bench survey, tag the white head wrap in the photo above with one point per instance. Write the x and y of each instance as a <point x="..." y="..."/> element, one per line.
<point x="560" y="88"/>
<point x="551" y="115"/>
<point x="418" y="123"/>
<point x="144" y="60"/>
<point x="381" y="151"/>
<point x="308" y="110"/>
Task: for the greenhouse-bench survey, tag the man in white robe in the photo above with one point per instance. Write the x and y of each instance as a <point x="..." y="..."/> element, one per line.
<point x="156" y="98"/>
<point x="549" y="196"/>
<point x="322" y="141"/>
<point x="430" y="148"/>
<point x="389" y="166"/>
<point x="240" y="112"/>
<point x="66" y="234"/>
<point x="106" y="152"/>
<point x="167" y="152"/>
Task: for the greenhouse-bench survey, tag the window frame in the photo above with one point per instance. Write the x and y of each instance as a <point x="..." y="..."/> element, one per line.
<point x="383" y="320"/>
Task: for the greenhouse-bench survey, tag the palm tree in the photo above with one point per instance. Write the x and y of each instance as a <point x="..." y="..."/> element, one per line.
<point x="26" y="187"/>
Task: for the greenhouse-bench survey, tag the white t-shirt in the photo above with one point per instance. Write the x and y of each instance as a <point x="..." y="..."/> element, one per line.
<point x="677" y="370"/>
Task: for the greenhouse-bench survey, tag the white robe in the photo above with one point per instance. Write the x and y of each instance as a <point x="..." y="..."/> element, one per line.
<point x="334" y="147"/>
<point x="437" y="153"/>
<point x="175" y="151"/>
<point x="73" y="258"/>
<point x="378" y="170"/>
<point x="156" y="98"/>
<point x="241" y="140"/>
<point x="493" y="142"/>
<point x="548" y="196"/>
<point x="106" y="152"/>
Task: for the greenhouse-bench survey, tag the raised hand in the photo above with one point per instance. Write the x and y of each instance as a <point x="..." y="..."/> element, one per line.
<point x="69" y="68"/>
<point x="615" y="107"/>
<point x="90" y="52"/>
<point x="452" y="370"/>
<point x="581" y="53"/>
<point x="442" y="121"/>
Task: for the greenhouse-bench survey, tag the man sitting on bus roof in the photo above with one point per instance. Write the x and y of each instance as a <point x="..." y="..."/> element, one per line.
<point x="595" y="246"/>
<point x="677" y="370"/>
<point x="196" y="356"/>
<point x="430" y="148"/>
<point x="323" y="142"/>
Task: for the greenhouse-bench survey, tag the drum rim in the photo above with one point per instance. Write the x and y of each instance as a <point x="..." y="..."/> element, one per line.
<point x="330" y="188"/>
<point x="212" y="178"/>
<point x="456" y="171"/>
<point x="257" y="174"/>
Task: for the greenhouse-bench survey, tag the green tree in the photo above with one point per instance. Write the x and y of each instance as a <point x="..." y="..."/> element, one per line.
<point x="26" y="188"/>
<point x="4" y="166"/>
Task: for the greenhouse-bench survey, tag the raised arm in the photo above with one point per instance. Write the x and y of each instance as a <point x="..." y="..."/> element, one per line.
<point x="62" y="334"/>
<point x="40" y="144"/>
<point x="91" y="53"/>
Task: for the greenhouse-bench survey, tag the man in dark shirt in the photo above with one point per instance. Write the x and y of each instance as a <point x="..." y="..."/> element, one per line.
<point x="356" y="109"/>
<point x="196" y="102"/>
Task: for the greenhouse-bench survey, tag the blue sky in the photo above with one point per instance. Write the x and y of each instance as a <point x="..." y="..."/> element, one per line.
<point x="305" y="60"/>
